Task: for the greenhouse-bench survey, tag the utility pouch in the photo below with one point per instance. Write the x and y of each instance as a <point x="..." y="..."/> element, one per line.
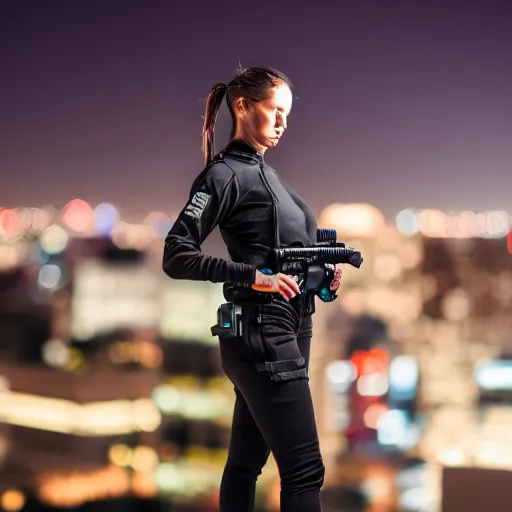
<point x="229" y="321"/>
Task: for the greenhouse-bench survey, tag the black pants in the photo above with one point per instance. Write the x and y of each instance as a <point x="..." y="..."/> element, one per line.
<point x="274" y="416"/>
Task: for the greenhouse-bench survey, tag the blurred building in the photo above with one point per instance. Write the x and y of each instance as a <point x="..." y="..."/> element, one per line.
<point x="405" y="362"/>
<point x="80" y="424"/>
<point x="111" y="383"/>
<point x="465" y="351"/>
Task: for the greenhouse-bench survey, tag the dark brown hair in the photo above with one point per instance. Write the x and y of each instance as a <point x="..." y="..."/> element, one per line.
<point x="251" y="83"/>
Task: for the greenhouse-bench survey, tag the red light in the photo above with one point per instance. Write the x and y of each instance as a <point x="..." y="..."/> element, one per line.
<point x="374" y="361"/>
<point x="78" y="215"/>
<point x="509" y="242"/>
<point x="10" y="223"/>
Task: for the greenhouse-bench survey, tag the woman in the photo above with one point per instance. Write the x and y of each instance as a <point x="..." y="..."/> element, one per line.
<point x="268" y="361"/>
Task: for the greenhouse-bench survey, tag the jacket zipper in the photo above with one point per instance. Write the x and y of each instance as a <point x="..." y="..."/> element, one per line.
<point x="274" y="201"/>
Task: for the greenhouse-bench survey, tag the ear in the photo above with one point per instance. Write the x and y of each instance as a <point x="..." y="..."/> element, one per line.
<point x="240" y="105"/>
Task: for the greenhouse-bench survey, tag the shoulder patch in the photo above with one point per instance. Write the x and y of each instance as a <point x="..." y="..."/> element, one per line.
<point x="197" y="205"/>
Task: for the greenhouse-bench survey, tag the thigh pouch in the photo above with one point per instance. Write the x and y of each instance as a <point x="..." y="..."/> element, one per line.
<point x="269" y="338"/>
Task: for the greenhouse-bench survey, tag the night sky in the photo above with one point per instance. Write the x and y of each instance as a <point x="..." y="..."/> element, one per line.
<point x="398" y="103"/>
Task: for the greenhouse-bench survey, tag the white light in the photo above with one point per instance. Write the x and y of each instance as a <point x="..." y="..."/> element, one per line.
<point x="50" y="276"/>
<point x="56" y="353"/>
<point x="169" y="477"/>
<point x="403" y="374"/>
<point x="392" y="428"/>
<point x="494" y="375"/>
<point x="54" y="239"/>
<point x="411" y="438"/>
<point x="341" y="374"/>
<point x="415" y="499"/>
<point x="451" y="457"/>
<point x="407" y="222"/>
<point x="462" y="224"/>
<point x="375" y="384"/>
<point x="497" y="224"/>
<point x="167" y="399"/>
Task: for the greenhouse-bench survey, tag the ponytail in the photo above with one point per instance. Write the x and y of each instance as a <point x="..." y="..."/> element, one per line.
<point x="251" y="83"/>
<point x="213" y="104"/>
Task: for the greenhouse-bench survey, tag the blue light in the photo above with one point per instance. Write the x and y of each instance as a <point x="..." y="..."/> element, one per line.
<point x="105" y="218"/>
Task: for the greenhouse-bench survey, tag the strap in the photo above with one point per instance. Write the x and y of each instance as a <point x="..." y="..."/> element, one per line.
<point x="283" y="370"/>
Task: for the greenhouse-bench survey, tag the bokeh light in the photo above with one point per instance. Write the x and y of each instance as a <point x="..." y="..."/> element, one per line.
<point x="10" y="257"/>
<point x="362" y="220"/>
<point x="54" y="239"/>
<point x="50" y="276"/>
<point x="462" y="224"/>
<point x="10" y="223"/>
<point x="42" y="218"/>
<point x="407" y="222"/>
<point x="78" y="216"/>
<point x="106" y="216"/>
<point x="160" y="222"/>
<point x="12" y="500"/>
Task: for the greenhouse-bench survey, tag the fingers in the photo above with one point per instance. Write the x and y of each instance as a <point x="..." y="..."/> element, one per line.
<point x="291" y="281"/>
<point x="286" y="291"/>
<point x="335" y="284"/>
<point x="283" y="284"/>
<point x="288" y="286"/>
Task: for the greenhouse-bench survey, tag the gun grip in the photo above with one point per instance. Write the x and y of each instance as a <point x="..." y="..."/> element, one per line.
<point x="315" y="277"/>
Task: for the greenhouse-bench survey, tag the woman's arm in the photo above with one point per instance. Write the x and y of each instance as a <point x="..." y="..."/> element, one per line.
<point x="212" y="198"/>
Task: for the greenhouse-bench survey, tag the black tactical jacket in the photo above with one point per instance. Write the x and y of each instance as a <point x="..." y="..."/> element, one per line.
<point x="256" y="211"/>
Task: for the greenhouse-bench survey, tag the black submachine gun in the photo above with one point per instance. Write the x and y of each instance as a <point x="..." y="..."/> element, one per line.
<point x="314" y="264"/>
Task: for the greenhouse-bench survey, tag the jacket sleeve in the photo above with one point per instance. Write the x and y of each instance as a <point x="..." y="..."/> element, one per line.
<point x="213" y="196"/>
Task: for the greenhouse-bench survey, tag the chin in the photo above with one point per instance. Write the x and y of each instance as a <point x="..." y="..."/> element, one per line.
<point x="269" y="142"/>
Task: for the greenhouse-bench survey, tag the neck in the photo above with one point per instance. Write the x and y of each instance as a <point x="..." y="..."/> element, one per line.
<point x="249" y="140"/>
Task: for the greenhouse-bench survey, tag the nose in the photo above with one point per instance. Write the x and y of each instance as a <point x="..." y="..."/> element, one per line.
<point x="281" y="121"/>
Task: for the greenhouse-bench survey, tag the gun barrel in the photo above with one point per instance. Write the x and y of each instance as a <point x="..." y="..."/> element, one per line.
<point x="332" y="255"/>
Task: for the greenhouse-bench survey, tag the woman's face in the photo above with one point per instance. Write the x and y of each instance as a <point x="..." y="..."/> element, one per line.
<point x="263" y="123"/>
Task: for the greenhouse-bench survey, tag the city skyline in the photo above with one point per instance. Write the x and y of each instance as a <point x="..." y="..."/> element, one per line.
<point x="397" y="106"/>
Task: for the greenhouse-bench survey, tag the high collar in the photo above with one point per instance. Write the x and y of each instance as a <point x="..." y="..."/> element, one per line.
<point x="243" y="148"/>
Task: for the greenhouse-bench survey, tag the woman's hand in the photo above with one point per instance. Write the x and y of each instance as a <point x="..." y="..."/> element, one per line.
<point x="338" y="273"/>
<point x="276" y="283"/>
